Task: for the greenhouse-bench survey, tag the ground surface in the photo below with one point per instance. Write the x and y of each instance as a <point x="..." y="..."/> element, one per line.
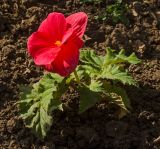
<point x="97" y="128"/>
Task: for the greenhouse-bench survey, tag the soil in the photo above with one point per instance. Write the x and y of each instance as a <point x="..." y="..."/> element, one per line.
<point x="97" y="128"/>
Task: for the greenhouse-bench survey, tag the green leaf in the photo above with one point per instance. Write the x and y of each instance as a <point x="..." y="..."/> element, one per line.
<point x="88" y="98"/>
<point x="96" y="86"/>
<point x="118" y="96"/>
<point x="37" y="103"/>
<point x="113" y="58"/>
<point x="91" y="63"/>
<point x="113" y="72"/>
<point x="99" y="69"/>
<point x="132" y="59"/>
<point x="109" y="57"/>
<point x="87" y="70"/>
<point x="88" y="57"/>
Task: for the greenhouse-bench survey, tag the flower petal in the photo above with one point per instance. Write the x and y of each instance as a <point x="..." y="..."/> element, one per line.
<point x="41" y="48"/>
<point x="69" y="33"/>
<point x="78" y="21"/>
<point x="38" y="41"/>
<point x="54" y="25"/>
<point x="46" y="56"/>
<point x="67" y="59"/>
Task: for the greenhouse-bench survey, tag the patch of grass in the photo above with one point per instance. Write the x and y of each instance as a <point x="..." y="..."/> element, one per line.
<point x="115" y="12"/>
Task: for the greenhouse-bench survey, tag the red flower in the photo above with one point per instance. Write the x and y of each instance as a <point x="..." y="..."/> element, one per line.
<point x="56" y="44"/>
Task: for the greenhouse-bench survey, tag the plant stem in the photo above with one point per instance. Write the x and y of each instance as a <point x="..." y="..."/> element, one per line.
<point x="76" y="76"/>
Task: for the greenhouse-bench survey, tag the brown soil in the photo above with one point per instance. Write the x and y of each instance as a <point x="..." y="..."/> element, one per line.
<point x="97" y="128"/>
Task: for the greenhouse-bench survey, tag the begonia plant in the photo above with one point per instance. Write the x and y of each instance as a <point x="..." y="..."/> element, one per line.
<point x="55" y="46"/>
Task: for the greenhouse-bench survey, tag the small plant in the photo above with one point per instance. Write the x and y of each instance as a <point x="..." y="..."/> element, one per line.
<point x="55" y="46"/>
<point x="115" y="12"/>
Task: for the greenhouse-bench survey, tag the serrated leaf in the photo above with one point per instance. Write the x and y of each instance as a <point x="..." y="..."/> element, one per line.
<point x="36" y="105"/>
<point x="87" y="70"/>
<point x="118" y="96"/>
<point x="118" y="100"/>
<point x="91" y="63"/>
<point x="132" y="59"/>
<point x="113" y="58"/>
<point x="113" y="72"/>
<point x="88" y="57"/>
<point x="109" y="57"/>
<point x="88" y="98"/>
<point x="96" y="86"/>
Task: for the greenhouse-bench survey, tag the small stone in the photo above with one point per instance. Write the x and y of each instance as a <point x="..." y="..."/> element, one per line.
<point x="157" y="140"/>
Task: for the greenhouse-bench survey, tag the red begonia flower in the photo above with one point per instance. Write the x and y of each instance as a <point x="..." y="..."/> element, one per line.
<point x="56" y="44"/>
